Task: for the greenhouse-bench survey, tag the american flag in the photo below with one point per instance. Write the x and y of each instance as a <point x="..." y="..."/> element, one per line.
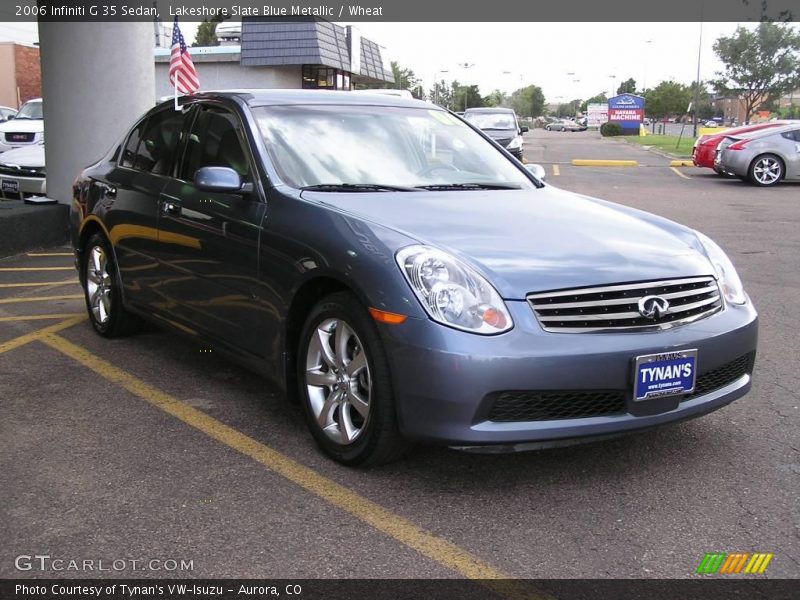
<point x="182" y="73"/>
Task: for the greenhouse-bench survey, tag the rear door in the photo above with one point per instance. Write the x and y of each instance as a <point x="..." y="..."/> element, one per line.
<point x="129" y="197"/>
<point x="208" y="241"/>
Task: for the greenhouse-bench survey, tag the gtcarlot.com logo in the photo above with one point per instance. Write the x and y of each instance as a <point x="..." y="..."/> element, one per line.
<point x="732" y="563"/>
<point x="45" y="562"/>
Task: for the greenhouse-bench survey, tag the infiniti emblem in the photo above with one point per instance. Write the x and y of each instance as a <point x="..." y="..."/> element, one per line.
<point x="653" y="307"/>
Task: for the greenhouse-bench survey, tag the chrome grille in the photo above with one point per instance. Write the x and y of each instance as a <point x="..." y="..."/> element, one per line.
<point x="615" y="307"/>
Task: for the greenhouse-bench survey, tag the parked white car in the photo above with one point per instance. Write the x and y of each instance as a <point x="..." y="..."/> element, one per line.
<point x="25" y="129"/>
<point x="22" y="172"/>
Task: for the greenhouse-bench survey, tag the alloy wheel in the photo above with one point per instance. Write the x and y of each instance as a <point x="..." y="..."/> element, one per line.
<point x="767" y="170"/>
<point x="338" y="381"/>
<point x="98" y="284"/>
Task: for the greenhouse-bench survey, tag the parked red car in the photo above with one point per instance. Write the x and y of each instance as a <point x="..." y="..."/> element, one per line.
<point x="706" y="145"/>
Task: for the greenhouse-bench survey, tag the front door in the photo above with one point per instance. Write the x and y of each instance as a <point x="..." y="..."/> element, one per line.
<point x="208" y="241"/>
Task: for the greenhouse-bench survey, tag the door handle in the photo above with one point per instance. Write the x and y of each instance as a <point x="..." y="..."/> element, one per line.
<point x="172" y="208"/>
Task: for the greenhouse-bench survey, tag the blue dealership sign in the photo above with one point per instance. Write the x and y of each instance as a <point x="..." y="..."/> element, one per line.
<point x="627" y="110"/>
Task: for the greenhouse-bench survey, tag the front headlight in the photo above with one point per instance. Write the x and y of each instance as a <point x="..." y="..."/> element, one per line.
<point x="515" y="143"/>
<point x="452" y="293"/>
<point x="729" y="282"/>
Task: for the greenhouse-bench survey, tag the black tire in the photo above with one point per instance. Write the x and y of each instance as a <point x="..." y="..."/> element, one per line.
<point x="759" y="161"/>
<point x="379" y="440"/>
<point x="118" y="321"/>
<point x="547" y="127"/>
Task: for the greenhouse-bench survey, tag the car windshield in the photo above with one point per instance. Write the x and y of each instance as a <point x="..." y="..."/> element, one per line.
<point x="377" y="148"/>
<point x="30" y="110"/>
<point x="483" y="120"/>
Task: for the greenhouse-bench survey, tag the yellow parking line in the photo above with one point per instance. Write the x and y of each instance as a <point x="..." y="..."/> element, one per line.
<point x="37" y="254"/>
<point x="590" y="162"/>
<point x="556" y="170"/>
<point x="35" y="335"/>
<point x="40" y="298"/>
<point x="13" y="269"/>
<point x="39" y="317"/>
<point x="38" y="284"/>
<point x="678" y="173"/>
<point x="399" y="528"/>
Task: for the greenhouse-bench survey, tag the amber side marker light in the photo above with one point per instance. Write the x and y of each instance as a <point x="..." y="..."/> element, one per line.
<point x="381" y="316"/>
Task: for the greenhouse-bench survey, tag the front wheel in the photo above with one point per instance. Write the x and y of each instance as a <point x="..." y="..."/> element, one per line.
<point x="345" y="384"/>
<point x="766" y="170"/>
<point x="102" y="290"/>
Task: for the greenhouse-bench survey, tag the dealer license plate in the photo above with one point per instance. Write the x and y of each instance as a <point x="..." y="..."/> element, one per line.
<point x="9" y="185"/>
<point x="665" y="374"/>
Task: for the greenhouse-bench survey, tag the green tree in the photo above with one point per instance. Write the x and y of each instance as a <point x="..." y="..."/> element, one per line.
<point x="466" y="96"/>
<point x="528" y="101"/>
<point x="627" y="87"/>
<point x="442" y="94"/>
<point x="496" y="98"/>
<point x="667" y="98"/>
<point x="601" y="98"/>
<point x="760" y="65"/>
<point x="206" y="33"/>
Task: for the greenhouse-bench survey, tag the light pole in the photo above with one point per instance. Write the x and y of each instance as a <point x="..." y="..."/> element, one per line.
<point x="697" y="81"/>
<point x="646" y="56"/>
<point x="613" y="92"/>
<point x="466" y="66"/>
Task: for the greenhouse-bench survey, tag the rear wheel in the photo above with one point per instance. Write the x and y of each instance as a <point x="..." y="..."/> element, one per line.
<point x="345" y="384"/>
<point x="102" y="290"/>
<point x="766" y="170"/>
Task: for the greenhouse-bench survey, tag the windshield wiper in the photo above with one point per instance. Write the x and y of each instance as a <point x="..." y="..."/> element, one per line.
<point x="356" y="187"/>
<point x="438" y="187"/>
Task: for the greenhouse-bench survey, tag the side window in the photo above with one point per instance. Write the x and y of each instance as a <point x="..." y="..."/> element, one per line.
<point x="129" y="153"/>
<point x="162" y="133"/>
<point x="215" y="141"/>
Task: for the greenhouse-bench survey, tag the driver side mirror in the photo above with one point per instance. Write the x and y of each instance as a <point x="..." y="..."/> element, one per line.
<point x="523" y="129"/>
<point x="220" y="179"/>
<point x="537" y="171"/>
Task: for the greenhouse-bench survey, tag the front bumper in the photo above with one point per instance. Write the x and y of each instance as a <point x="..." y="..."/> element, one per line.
<point x="445" y="379"/>
<point x="516" y="152"/>
<point x="27" y="186"/>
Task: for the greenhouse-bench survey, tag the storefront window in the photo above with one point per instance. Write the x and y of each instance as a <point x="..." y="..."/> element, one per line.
<point x="325" y="78"/>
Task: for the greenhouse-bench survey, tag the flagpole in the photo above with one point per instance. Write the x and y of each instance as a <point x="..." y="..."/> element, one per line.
<point x="175" y="81"/>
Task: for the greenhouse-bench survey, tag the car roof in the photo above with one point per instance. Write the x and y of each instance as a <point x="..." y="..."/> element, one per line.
<point x="492" y="109"/>
<point x="261" y="97"/>
<point x="767" y="131"/>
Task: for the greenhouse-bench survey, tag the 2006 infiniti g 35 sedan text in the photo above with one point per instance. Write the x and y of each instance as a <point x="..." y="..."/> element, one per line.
<point x="404" y="276"/>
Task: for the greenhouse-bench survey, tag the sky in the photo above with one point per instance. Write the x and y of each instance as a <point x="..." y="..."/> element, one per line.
<point x="567" y="60"/>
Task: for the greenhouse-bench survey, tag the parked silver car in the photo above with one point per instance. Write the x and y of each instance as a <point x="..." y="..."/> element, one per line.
<point x="763" y="157"/>
<point x="565" y="125"/>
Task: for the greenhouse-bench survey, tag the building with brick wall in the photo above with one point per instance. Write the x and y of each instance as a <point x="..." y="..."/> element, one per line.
<point x="20" y="74"/>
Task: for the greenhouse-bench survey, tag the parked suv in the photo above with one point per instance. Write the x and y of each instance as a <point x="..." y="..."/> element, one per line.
<point x="501" y="125"/>
<point x="25" y="129"/>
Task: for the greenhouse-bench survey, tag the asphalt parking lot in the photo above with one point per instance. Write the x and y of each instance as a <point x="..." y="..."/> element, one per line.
<point x="150" y="447"/>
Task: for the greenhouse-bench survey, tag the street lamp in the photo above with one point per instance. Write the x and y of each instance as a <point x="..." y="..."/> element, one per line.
<point x="466" y="66"/>
<point x="613" y="92"/>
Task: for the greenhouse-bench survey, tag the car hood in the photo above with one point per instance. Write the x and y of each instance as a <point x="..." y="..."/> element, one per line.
<point x="534" y="240"/>
<point x="26" y="156"/>
<point x="23" y="125"/>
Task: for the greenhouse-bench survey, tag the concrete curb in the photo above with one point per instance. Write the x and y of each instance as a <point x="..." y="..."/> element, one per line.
<point x="26" y="227"/>
<point x="681" y="163"/>
<point x="585" y="162"/>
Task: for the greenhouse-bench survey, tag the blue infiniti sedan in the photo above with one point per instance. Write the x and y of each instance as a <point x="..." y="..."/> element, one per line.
<point x="404" y="277"/>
